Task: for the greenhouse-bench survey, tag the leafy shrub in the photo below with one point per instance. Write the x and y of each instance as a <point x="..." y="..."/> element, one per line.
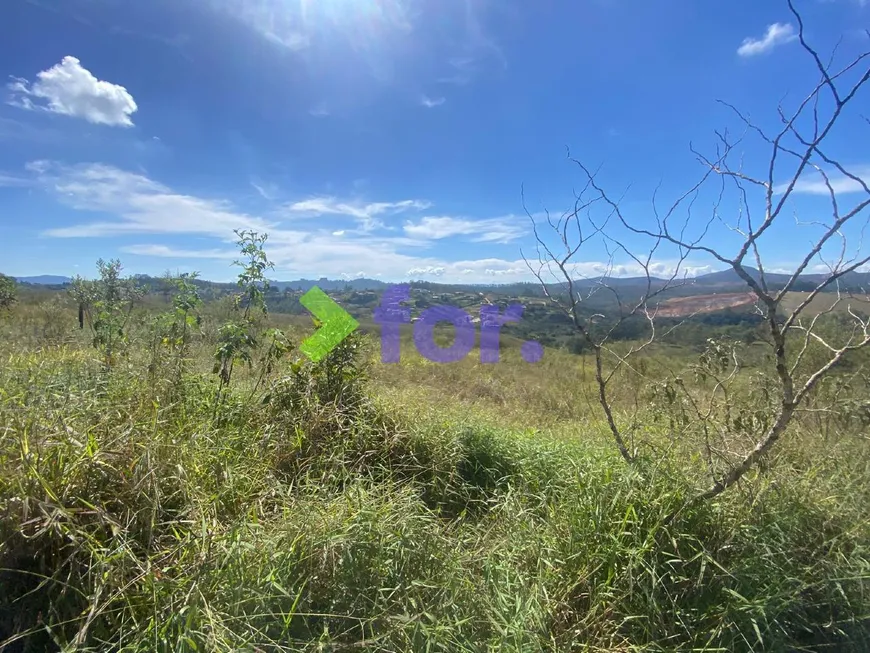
<point x="172" y="331"/>
<point x="338" y="380"/>
<point x="239" y="338"/>
<point x="105" y="305"/>
<point x="8" y="291"/>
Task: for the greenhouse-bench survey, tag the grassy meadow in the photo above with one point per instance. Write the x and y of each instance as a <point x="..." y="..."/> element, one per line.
<point x="351" y="505"/>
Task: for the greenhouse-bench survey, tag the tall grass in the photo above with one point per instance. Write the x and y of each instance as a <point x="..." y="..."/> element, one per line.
<point x="396" y="514"/>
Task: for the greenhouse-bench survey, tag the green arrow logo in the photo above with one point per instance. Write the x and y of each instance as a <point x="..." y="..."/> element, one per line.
<point x="336" y="324"/>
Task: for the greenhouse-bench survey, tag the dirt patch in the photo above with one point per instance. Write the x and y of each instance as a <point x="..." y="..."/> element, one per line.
<point x="681" y="306"/>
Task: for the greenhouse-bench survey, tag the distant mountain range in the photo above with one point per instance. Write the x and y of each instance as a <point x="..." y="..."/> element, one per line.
<point x="721" y="281"/>
<point x="299" y="284"/>
<point x="44" y="280"/>
<point x="330" y="284"/>
<point x="727" y="279"/>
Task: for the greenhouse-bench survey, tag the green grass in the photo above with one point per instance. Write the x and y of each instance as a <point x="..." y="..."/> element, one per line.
<point x="429" y="508"/>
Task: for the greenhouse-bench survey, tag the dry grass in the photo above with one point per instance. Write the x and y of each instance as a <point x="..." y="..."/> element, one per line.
<point x="433" y="507"/>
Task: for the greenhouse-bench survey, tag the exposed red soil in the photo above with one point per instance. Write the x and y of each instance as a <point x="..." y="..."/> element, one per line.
<point x="681" y="306"/>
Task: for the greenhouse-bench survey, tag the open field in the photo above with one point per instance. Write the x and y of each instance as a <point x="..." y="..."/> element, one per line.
<point x="442" y="327"/>
<point x="411" y="506"/>
<point x="681" y="306"/>
<point x="826" y="302"/>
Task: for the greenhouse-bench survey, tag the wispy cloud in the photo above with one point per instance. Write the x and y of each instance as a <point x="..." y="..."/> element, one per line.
<point x="814" y="184"/>
<point x="177" y="41"/>
<point x="501" y="270"/>
<point x="426" y="271"/>
<point x="480" y="52"/>
<point x="296" y="24"/>
<point x="289" y="39"/>
<point x="462" y="71"/>
<point x="368" y="216"/>
<point x="663" y="269"/>
<point x="138" y="204"/>
<point x="168" y="252"/>
<point x="12" y="181"/>
<point x="483" y="57"/>
<point x="64" y="8"/>
<point x="132" y="204"/>
<point x="71" y="90"/>
<point x="492" y="230"/>
<point x="777" y="34"/>
<point x="278" y="22"/>
<point x="318" y="206"/>
<point x="430" y="103"/>
<point x="24" y="131"/>
<point x="266" y="190"/>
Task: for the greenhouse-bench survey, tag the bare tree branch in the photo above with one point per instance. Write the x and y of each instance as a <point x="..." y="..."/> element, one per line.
<point x="796" y="149"/>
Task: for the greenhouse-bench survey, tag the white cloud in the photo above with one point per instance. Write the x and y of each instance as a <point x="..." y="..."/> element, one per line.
<point x="367" y="215"/>
<point x="777" y="34"/>
<point x="340" y="232"/>
<point x="69" y="89"/>
<point x="463" y="71"/>
<point x="814" y="184"/>
<point x="663" y="269"/>
<point x="139" y="204"/>
<point x="822" y="268"/>
<point x="430" y="103"/>
<point x="38" y="166"/>
<point x="289" y="39"/>
<point x="12" y="181"/>
<point x="492" y="230"/>
<point x="169" y="252"/>
<point x="266" y="191"/>
<point x="318" y="206"/>
<point x="428" y="271"/>
<point x="504" y="272"/>
<point x="133" y="204"/>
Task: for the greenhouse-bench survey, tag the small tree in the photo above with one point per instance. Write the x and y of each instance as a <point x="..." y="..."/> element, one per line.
<point x="800" y="146"/>
<point x="105" y="305"/>
<point x="239" y="339"/>
<point x="173" y="329"/>
<point x="8" y="292"/>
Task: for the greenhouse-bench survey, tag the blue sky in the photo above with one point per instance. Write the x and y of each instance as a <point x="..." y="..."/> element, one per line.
<point x="381" y="138"/>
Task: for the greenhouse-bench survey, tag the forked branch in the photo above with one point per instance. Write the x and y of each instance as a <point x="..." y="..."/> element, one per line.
<point x="797" y="155"/>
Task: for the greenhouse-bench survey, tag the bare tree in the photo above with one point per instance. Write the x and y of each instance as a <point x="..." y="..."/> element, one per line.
<point x="797" y="154"/>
